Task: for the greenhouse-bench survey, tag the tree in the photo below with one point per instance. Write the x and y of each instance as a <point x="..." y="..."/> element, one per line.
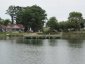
<point x="12" y="11"/>
<point x="6" y="22"/>
<point x="76" y="20"/>
<point x="32" y="17"/>
<point x="52" y="23"/>
<point x="1" y="21"/>
<point x="63" y="26"/>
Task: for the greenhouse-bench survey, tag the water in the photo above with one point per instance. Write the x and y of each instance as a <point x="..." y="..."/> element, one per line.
<point x="46" y="51"/>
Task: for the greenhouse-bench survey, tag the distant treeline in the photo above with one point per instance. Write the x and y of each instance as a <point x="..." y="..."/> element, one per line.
<point x="34" y="17"/>
<point x="75" y="22"/>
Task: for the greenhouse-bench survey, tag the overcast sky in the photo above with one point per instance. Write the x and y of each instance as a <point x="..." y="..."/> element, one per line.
<point x="58" y="8"/>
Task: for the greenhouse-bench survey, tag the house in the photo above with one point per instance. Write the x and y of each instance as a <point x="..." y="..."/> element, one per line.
<point x="14" y="28"/>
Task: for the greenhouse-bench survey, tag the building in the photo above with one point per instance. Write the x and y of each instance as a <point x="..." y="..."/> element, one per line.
<point x="14" y="28"/>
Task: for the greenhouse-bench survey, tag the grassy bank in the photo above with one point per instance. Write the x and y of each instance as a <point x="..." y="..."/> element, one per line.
<point x="74" y="35"/>
<point x="65" y="35"/>
<point x="3" y="34"/>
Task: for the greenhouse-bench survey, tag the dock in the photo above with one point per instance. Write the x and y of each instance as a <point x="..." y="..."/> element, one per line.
<point x="43" y="36"/>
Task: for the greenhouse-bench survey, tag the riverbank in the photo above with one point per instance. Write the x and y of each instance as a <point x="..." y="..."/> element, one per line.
<point x="59" y="35"/>
<point x="42" y="36"/>
<point x="74" y="35"/>
<point x="64" y="35"/>
<point x="3" y="34"/>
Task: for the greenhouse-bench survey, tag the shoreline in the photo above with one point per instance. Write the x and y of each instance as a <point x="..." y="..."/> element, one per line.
<point x="59" y="35"/>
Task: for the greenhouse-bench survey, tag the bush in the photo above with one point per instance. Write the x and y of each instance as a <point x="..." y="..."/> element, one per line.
<point x="46" y="30"/>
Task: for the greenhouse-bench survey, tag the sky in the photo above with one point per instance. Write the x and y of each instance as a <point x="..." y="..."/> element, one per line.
<point x="58" y="8"/>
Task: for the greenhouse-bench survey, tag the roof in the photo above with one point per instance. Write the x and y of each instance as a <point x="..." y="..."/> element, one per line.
<point x="15" y="26"/>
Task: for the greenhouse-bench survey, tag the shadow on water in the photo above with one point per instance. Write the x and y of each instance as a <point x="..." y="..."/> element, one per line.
<point x="52" y="42"/>
<point x="37" y="42"/>
<point x="75" y="43"/>
<point x="21" y="40"/>
<point x="2" y="38"/>
<point x="9" y="38"/>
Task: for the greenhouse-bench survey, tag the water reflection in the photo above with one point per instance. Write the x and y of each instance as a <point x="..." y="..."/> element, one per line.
<point x="37" y="42"/>
<point x="76" y="43"/>
<point x="2" y="38"/>
<point x="38" y="51"/>
<point x="52" y="42"/>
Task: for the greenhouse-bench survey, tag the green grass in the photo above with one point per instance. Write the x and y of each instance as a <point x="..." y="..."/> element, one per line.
<point x="74" y="35"/>
<point x="67" y="35"/>
<point x="3" y="34"/>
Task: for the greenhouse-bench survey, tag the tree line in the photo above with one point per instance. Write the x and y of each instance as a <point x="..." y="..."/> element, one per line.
<point x="34" y="17"/>
<point x="75" y="22"/>
<point x="4" y="21"/>
<point x="30" y="17"/>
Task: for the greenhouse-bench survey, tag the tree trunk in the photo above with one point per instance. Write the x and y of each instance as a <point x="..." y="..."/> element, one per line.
<point x="26" y="28"/>
<point x="12" y="20"/>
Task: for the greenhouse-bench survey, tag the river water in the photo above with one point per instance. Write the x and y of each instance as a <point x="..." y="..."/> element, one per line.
<point x="42" y="51"/>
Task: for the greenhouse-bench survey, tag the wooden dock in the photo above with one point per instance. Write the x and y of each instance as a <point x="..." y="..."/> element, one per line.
<point x="43" y="36"/>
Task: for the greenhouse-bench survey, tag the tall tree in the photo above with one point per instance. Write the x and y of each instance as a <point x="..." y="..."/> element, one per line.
<point x="32" y="17"/>
<point x="76" y="19"/>
<point x="52" y="23"/>
<point x="12" y="11"/>
<point x="63" y="26"/>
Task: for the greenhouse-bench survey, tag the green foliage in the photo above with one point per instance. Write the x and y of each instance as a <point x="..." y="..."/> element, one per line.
<point x="75" y="15"/>
<point x="46" y="30"/>
<point x="76" y="20"/>
<point x="1" y="21"/>
<point x="52" y="23"/>
<point x="4" y="22"/>
<point x="12" y="11"/>
<point x="63" y="26"/>
<point x="32" y="17"/>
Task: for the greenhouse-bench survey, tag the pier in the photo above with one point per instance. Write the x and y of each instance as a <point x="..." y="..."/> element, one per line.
<point x="43" y="36"/>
